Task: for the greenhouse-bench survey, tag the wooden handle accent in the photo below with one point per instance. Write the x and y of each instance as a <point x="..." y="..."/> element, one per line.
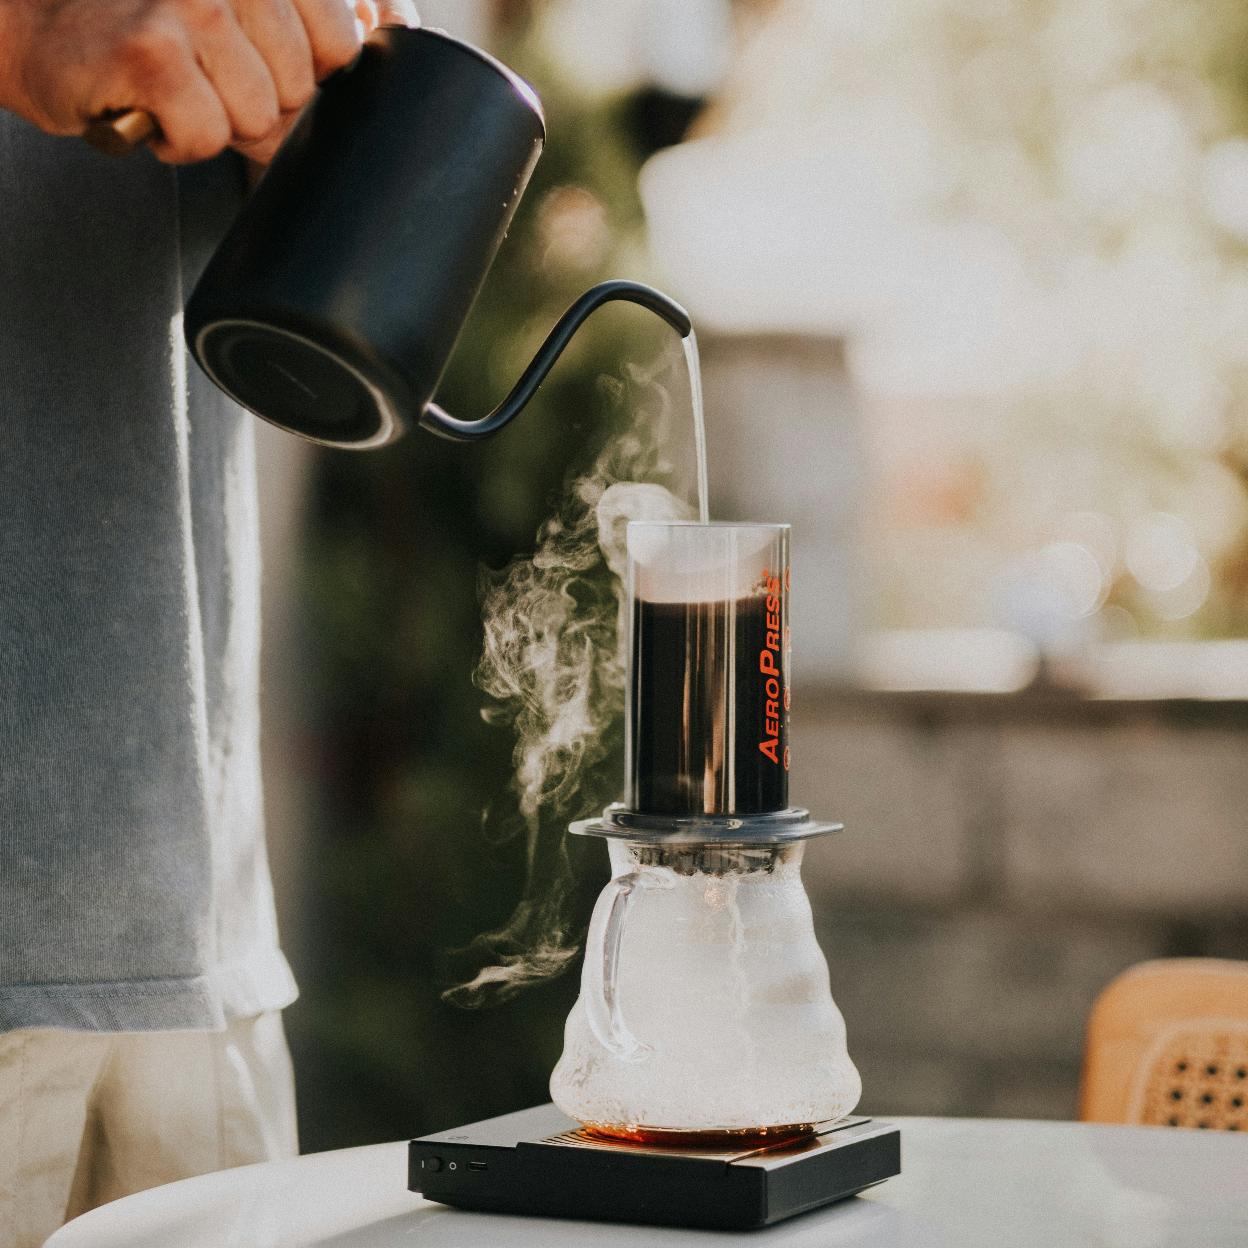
<point x="118" y="134"/>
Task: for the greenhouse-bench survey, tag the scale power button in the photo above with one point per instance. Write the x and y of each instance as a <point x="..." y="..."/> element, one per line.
<point x="432" y="1163"/>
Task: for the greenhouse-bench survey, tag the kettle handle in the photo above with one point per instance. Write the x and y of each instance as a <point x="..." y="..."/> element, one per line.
<point x="445" y="426"/>
<point x="600" y="979"/>
<point x="119" y="133"/>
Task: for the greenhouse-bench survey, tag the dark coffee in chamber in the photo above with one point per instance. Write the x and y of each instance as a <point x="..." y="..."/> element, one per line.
<point x="708" y="718"/>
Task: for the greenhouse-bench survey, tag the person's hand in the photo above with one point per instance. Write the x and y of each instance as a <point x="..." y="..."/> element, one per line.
<point x="213" y="73"/>
<point x="369" y="14"/>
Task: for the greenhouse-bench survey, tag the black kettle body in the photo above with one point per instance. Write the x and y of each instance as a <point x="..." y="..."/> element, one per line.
<point x="334" y="302"/>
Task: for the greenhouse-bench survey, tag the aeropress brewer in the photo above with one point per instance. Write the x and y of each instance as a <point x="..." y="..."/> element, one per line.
<point x="705" y="1078"/>
<point x="333" y="303"/>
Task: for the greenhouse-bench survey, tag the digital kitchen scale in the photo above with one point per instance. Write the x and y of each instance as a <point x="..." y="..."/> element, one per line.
<point x="538" y="1161"/>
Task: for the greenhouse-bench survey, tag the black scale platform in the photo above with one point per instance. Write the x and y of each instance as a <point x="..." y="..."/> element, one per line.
<point x="539" y="1162"/>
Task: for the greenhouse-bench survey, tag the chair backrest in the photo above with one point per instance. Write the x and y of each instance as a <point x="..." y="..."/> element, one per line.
<point x="1167" y="1045"/>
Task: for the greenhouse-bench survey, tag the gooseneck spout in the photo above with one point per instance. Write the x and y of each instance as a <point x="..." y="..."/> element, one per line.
<point x="445" y="426"/>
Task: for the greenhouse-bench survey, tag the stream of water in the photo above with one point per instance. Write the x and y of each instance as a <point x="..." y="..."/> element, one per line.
<point x="690" y="345"/>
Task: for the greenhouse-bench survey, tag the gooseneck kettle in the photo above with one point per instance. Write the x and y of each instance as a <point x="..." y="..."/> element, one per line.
<point x="334" y="302"/>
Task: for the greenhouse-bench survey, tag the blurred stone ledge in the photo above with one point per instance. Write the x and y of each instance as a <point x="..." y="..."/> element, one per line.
<point x="994" y="661"/>
<point x="1005" y="855"/>
<point x="1041" y="703"/>
<point x="1076" y="804"/>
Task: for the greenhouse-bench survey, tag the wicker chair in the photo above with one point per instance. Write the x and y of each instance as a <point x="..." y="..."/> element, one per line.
<point x="1168" y="1046"/>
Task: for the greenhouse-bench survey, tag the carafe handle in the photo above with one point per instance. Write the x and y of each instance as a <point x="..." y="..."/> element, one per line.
<point x="600" y="982"/>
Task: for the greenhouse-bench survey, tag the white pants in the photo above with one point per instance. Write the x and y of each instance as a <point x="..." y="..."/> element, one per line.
<point x="88" y="1117"/>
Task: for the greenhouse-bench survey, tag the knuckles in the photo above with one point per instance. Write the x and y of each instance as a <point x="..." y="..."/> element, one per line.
<point x="341" y="53"/>
<point x="259" y="123"/>
<point x="337" y="41"/>
<point x="296" y="93"/>
<point x="294" y="74"/>
<point x="153" y="52"/>
<point x="204" y="16"/>
<point x="209" y="140"/>
<point x="294" y="98"/>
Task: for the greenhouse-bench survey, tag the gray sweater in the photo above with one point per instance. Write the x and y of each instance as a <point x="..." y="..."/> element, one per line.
<point x="134" y="889"/>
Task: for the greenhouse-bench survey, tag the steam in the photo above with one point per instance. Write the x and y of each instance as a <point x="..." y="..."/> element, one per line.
<point x="553" y="669"/>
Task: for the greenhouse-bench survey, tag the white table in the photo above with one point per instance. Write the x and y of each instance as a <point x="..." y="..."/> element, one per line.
<point x="965" y="1183"/>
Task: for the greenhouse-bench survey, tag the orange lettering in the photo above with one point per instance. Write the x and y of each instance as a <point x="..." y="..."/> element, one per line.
<point x="770" y="749"/>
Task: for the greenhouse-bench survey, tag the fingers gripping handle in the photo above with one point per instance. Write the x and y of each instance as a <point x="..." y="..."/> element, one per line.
<point x="602" y="961"/>
<point x="118" y="134"/>
<point x="122" y="131"/>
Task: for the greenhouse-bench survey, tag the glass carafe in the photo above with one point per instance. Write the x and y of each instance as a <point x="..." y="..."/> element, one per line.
<point x="705" y="1011"/>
